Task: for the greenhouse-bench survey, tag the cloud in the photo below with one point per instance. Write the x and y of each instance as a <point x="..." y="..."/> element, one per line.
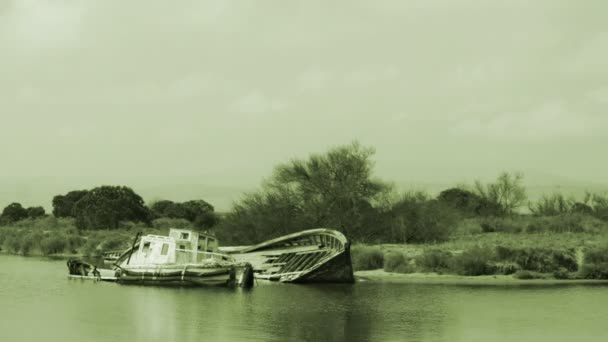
<point x="549" y="121"/>
<point x="257" y="104"/>
<point x="31" y="24"/>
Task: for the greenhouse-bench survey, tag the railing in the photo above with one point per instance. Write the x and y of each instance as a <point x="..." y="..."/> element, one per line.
<point x="186" y="255"/>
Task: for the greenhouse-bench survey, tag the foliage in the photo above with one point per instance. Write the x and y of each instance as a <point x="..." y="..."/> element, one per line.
<point x="417" y="219"/>
<point x="63" y="205"/>
<point x="172" y="223"/>
<point x="106" y="206"/>
<point x="524" y="274"/>
<point x="198" y="212"/>
<point x="594" y="271"/>
<point x="555" y="204"/>
<point x="475" y="261"/>
<point x="502" y="197"/>
<point x="334" y="190"/>
<point x="434" y="260"/>
<point x="397" y="262"/>
<point x="53" y="244"/>
<point x="464" y="201"/>
<point x="539" y="259"/>
<point x="35" y="212"/>
<point x="366" y="258"/>
<point x="13" y="212"/>
<point x="600" y="205"/>
<point x="503" y="225"/>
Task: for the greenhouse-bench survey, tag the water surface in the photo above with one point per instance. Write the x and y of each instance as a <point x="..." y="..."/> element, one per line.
<point x="39" y="303"/>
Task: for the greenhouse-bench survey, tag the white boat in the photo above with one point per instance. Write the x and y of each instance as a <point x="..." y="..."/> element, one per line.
<point x="184" y="258"/>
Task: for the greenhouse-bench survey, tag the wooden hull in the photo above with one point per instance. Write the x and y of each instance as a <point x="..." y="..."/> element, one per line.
<point x="208" y="274"/>
<point x="311" y="256"/>
<point x="190" y="275"/>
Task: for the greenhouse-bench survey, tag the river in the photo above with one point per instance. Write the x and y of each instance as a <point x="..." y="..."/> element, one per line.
<point x="39" y="303"/>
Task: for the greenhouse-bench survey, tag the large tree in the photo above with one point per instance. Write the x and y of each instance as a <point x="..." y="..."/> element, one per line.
<point x="13" y="212"/>
<point x="334" y="190"/>
<point x="63" y="204"/>
<point x="106" y="206"/>
<point x="199" y="212"/>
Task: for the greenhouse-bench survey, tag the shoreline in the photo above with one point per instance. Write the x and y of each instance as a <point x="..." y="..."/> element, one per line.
<point x="380" y="276"/>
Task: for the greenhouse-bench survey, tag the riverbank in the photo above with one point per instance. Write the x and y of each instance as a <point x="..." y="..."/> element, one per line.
<point x="451" y="279"/>
<point x="546" y="257"/>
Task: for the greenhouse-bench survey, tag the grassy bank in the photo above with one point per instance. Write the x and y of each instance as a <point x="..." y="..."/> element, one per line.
<point x="570" y="248"/>
<point x="52" y="236"/>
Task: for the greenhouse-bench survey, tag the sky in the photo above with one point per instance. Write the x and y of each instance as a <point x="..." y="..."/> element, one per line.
<point x="198" y="95"/>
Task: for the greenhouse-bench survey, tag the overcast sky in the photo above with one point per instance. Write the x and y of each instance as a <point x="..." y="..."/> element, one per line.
<point x="219" y="92"/>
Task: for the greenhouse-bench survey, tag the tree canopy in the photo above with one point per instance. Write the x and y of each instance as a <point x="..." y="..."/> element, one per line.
<point x="13" y="212"/>
<point x="335" y="189"/>
<point x="199" y="212"/>
<point x="107" y="206"/>
<point x="64" y="204"/>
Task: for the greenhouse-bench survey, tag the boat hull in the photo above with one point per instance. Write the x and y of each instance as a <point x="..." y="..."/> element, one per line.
<point x="311" y="256"/>
<point x="230" y="276"/>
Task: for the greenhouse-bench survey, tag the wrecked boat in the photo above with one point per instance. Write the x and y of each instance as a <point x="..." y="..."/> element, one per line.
<point x="311" y="256"/>
<point x="183" y="258"/>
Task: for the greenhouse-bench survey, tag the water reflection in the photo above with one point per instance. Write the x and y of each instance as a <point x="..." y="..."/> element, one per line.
<point x="37" y="302"/>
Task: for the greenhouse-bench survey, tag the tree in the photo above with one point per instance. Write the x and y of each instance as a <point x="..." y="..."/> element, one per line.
<point x="333" y="190"/>
<point x="166" y="208"/>
<point x="465" y="201"/>
<point x="63" y="204"/>
<point x="505" y="195"/>
<point x="13" y="212"/>
<point x="554" y="204"/>
<point x="418" y="219"/>
<point x="107" y="206"/>
<point x="198" y="212"/>
<point x="35" y="212"/>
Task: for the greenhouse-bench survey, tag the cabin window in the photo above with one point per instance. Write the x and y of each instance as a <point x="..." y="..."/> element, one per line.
<point x="185" y="236"/>
<point x="146" y="249"/>
<point x="182" y="246"/>
<point x="165" y="249"/>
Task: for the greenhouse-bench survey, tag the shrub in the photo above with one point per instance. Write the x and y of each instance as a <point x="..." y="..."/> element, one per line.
<point x="562" y="273"/>
<point x="539" y="259"/>
<point x="557" y="224"/>
<point x="595" y="264"/>
<point x="74" y="242"/>
<point x="505" y="225"/>
<point x="505" y="253"/>
<point x="12" y="244"/>
<point x="506" y="268"/>
<point x="397" y="262"/>
<point x="53" y="244"/>
<point x="367" y="258"/>
<point x="113" y="243"/>
<point x="420" y="220"/>
<point x="529" y="275"/>
<point x="475" y="261"/>
<point x="434" y="260"/>
<point x="546" y="260"/>
<point x="91" y="247"/>
<point x="596" y="255"/>
<point x="594" y="271"/>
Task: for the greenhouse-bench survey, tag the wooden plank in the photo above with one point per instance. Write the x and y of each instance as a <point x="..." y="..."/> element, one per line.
<point x="291" y="264"/>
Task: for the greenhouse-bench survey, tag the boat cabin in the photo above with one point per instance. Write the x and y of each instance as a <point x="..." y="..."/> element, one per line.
<point x="180" y="247"/>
